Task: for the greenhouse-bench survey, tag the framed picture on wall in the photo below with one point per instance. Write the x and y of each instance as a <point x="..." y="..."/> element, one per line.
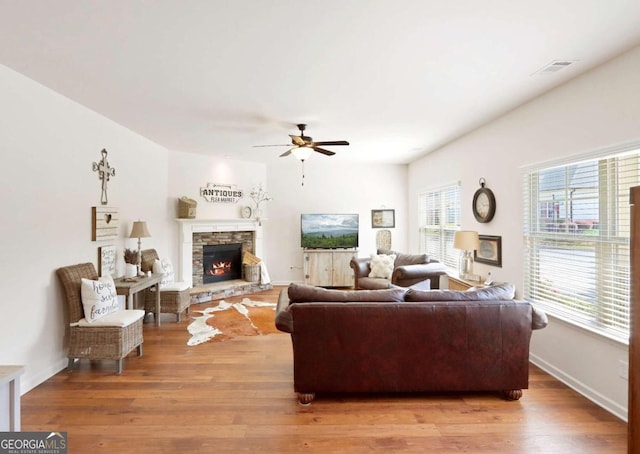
<point x="490" y="250"/>
<point x="107" y="261"/>
<point x="383" y="219"/>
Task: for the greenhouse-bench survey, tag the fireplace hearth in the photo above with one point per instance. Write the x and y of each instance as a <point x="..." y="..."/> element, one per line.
<point x="221" y="262"/>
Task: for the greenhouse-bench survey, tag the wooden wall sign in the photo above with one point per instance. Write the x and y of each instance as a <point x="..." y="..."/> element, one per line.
<point x="221" y="193"/>
<point x="104" y="223"/>
<point x="107" y="261"/>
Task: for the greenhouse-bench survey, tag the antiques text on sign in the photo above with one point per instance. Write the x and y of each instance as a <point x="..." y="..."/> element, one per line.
<point x="221" y="193"/>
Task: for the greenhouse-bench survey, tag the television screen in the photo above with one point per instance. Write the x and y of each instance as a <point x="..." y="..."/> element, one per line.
<point x="329" y="231"/>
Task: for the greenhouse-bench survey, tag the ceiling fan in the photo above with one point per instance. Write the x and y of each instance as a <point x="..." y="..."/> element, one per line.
<point x="303" y="145"/>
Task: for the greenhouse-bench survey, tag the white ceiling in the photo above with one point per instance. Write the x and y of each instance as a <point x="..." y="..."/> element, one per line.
<point x="397" y="79"/>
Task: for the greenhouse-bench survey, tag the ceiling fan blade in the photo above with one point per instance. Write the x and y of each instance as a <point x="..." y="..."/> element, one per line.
<point x="286" y="153"/>
<point x="297" y="140"/>
<point x="331" y="142"/>
<point x="279" y="145"/>
<point x="323" y="151"/>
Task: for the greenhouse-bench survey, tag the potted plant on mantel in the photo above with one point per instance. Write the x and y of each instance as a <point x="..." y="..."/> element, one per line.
<point x="130" y="263"/>
<point x="258" y="196"/>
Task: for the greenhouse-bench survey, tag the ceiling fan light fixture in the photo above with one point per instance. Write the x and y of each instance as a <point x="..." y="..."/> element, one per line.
<point x="301" y="153"/>
<point x="303" y="146"/>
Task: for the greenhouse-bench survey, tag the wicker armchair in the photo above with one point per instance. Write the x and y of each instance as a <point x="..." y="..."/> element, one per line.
<point x="171" y="301"/>
<point x="95" y="342"/>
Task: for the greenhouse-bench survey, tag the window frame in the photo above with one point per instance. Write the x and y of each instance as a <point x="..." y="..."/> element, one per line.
<point x="613" y="240"/>
<point x="449" y="210"/>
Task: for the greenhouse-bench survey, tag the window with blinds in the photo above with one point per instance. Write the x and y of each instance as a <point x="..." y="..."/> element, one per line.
<point x="576" y="233"/>
<point x="439" y="213"/>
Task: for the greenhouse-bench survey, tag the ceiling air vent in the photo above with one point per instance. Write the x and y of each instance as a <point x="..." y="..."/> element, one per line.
<point x="555" y="66"/>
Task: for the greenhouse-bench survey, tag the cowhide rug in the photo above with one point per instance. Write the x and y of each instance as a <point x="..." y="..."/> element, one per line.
<point x="246" y="318"/>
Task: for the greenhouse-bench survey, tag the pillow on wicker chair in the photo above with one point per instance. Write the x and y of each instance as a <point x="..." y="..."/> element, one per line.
<point x="99" y="298"/>
<point x="164" y="267"/>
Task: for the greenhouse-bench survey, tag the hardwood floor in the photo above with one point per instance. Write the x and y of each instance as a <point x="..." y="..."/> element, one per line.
<point x="237" y="396"/>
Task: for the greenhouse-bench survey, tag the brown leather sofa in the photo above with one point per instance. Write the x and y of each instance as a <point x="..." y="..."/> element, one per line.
<point x="409" y="270"/>
<point x="404" y="340"/>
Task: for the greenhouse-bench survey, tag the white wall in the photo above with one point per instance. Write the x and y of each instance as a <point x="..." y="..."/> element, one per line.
<point x="330" y="186"/>
<point x="597" y="110"/>
<point x="47" y="146"/>
<point x="188" y="172"/>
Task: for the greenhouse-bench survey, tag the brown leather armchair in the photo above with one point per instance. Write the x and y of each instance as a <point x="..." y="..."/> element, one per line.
<point x="409" y="270"/>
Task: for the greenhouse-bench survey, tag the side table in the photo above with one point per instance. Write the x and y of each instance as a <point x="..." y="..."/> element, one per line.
<point x="457" y="283"/>
<point x="129" y="288"/>
<point x="11" y="375"/>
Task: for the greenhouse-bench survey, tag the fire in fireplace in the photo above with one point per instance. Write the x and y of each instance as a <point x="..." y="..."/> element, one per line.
<point x="219" y="268"/>
<point x="221" y="262"/>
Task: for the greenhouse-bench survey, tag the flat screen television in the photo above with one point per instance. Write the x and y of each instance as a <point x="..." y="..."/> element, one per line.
<point x="329" y="231"/>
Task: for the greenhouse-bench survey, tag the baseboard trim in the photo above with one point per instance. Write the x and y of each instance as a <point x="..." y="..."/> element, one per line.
<point x="28" y="382"/>
<point x="588" y="392"/>
<point x="287" y="283"/>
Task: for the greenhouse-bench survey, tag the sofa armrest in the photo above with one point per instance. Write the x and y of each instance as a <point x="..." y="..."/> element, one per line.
<point x="539" y="319"/>
<point x="284" y="320"/>
<point x="360" y="266"/>
<point x="407" y="275"/>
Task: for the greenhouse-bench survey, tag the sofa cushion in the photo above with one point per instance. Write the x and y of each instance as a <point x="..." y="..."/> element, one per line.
<point x="382" y="265"/>
<point x="119" y="319"/>
<point x="173" y="287"/>
<point x="300" y="293"/>
<point x="406" y="259"/>
<point x="500" y="292"/>
<point x="373" y="283"/>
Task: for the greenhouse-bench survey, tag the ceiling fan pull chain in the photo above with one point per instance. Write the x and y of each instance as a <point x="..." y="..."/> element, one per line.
<point x="302" y="162"/>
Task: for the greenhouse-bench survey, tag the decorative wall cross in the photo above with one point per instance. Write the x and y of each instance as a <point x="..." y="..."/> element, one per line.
<point x="105" y="172"/>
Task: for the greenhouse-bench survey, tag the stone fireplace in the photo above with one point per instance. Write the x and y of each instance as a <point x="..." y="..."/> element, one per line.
<point x="197" y="233"/>
<point x="208" y="248"/>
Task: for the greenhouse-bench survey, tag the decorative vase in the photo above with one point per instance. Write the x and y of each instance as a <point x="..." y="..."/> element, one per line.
<point x="130" y="270"/>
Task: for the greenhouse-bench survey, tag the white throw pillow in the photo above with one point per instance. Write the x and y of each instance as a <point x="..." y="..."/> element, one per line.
<point x="164" y="267"/>
<point x="99" y="298"/>
<point x="382" y="265"/>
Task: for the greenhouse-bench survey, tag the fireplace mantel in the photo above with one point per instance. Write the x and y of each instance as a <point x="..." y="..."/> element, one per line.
<point x="190" y="226"/>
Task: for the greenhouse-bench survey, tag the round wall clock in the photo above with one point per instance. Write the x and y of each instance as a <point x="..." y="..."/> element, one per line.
<point x="484" y="203"/>
<point x="246" y="212"/>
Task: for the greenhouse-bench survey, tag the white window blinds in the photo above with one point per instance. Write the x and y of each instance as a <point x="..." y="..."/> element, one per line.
<point x="439" y="213"/>
<point x="576" y="233"/>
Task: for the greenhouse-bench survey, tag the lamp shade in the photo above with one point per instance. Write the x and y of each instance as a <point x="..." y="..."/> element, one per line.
<point x="139" y="230"/>
<point x="466" y="240"/>
<point x="301" y="153"/>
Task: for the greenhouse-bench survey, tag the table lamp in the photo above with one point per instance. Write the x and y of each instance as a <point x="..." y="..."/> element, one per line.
<point x="139" y="230"/>
<point x="467" y="241"/>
